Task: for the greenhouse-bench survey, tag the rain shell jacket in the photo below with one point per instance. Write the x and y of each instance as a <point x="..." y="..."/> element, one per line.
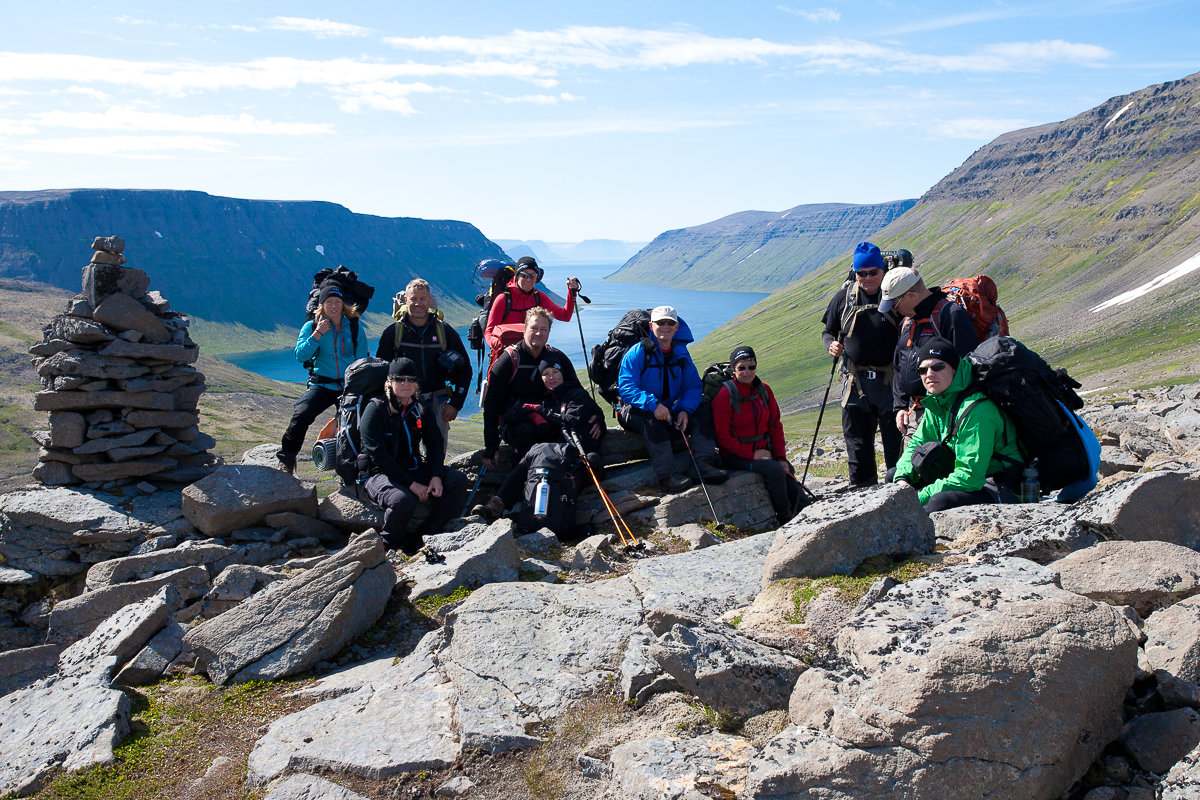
<point x="521" y="302"/>
<point x="392" y="440"/>
<point x="984" y="444"/>
<point x="648" y="376"/>
<point x="332" y="352"/>
<point x="754" y="420"/>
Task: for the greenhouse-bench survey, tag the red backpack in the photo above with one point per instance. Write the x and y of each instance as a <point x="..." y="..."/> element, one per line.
<point x="978" y="296"/>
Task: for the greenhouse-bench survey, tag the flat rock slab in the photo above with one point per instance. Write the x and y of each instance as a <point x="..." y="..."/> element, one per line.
<point x="520" y="653"/>
<point x="19" y="668"/>
<point x="239" y="496"/>
<point x="1173" y="640"/>
<point x="1158" y="740"/>
<point x="349" y="513"/>
<point x="68" y="510"/>
<point x="834" y="536"/>
<point x="1144" y="575"/>
<point x="70" y="722"/>
<point x="971" y="676"/>
<point x="126" y="469"/>
<point x="700" y="768"/>
<point x="484" y="555"/>
<point x="1157" y="506"/>
<point x="298" y="622"/>
<point x="1041" y="532"/>
<point x="310" y="787"/>
<point x="122" y="570"/>
<point x="742" y="501"/>
<point x="352" y="678"/>
<point x="153" y="659"/>
<point x="68" y="401"/>
<point x="401" y="722"/>
<point x="122" y="635"/>
<point x="705" y="582"/>
<point x="299" y="525"/>
<point x="1183" y="781"/>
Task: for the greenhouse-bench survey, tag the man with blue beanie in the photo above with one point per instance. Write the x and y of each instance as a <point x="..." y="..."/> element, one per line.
<point x="865" y="339"/>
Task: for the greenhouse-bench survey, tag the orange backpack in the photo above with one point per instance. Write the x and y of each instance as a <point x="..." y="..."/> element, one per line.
<point x="978" y="296"/>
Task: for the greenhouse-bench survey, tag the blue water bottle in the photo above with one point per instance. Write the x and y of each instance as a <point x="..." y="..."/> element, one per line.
<point x="1031" y="490"/>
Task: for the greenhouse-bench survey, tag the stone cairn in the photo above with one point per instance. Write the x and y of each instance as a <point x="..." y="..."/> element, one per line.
<point x="119" y="384"/>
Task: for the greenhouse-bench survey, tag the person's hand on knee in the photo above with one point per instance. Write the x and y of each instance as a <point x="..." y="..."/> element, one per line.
<point x="435" y="487"/>
<point x="420" y="490"/>
<point x="762" y="455"/>
<point x="662" y="413"/>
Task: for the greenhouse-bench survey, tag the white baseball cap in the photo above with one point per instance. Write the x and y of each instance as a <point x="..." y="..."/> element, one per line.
<point x="895" y="283"/>
<point x="664" y="312"/>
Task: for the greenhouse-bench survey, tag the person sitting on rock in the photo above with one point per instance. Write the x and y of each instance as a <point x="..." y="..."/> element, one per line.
<point x="393" y="430"/>
<point x="566" y="408"/>
<point x="521" y="294"/>
<point x="750" y="433"/>
<point x="984" y="459"/>
<point x="514" y="380"/>
<point x="660" y="392"/>
<point x="331" y="341"/>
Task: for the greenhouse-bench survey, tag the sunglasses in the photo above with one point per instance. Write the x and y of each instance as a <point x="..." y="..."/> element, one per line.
<point x="746" y="367"/>
<point x="938" y="367"/>
<point x="526" y="274"/>
<point x="668" y="322"/>
<point x="404" y="379"/>
<point x="869" y="273"/>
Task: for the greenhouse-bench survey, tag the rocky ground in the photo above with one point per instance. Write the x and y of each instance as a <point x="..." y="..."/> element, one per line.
<point x="249" y="637"/>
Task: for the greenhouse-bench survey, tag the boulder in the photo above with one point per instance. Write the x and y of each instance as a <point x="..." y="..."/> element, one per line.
<point x="66" y="429"/>
<point x="80" y="331"/>
<point x="300" y="621"/>
<point x="122" y="313"/>
<point x="67" y="401"/>
<point x="121" y="570"/>
<point x="455" y="787"/>
<point x="1041" y="532"/>
<point x="834" y="536"/>
<point x="473" y="556"/>
<point x="1116" y="459"/>
<point x="242" y="496"/>
<point x="727" y="672"/>
<point x="1146" y="575"/>
<point x="542" y="541"/>
<point x="697" y="536"/>
<point x="971" y="676"/>
<point x="101" y="280"/>
<point x="708" y="766"/>
<point x="348" y="513"/>
<point x="54" y="473"/>
<point x="705" y="582"/>
<point x="120" y="636"/>
<point x="1155" y="506"/>
<point x="742" y="501"/>
<point x="19" y="668"/>
<point x="310" y="787"/>
<point x="153" y="659"/>
<point x="1183" y="781"/>
<point x="239" y="581"/>
<point x="68" y="511"/>
<point x="299" y="525"/>
<point x="1173" y="640"/>
<point x="587" y="558"/>
<point x="1158" y="740"/>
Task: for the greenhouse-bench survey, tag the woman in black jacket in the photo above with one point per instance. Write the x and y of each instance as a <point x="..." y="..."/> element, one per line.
<point x="393" y="431"/>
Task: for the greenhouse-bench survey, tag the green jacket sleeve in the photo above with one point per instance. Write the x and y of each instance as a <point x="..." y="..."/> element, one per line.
<point x="973" y="444"/>
<point x="927" y="431"/>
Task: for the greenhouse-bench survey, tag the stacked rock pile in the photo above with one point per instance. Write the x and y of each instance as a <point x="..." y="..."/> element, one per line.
<point x="119" y="384"/>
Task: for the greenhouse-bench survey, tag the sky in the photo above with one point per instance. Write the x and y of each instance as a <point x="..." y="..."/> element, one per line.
<point x="552" y="120"/>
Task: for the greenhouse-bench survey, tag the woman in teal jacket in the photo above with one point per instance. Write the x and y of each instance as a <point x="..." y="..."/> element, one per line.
<point x="332" y="341"/>
<point x="984" y="443"/>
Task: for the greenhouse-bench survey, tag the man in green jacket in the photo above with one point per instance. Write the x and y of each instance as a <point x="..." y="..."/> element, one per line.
<point x="984" y="442"/>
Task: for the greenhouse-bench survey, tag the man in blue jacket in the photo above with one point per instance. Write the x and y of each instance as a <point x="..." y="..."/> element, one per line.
<point x="660" y="389"/>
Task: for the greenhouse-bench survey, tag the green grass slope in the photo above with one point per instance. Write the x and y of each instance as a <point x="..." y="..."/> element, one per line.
<point x="1064" y="217"/>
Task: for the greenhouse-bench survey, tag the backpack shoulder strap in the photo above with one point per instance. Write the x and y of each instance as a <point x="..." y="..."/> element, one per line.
<point x="937" y="312"/>
<point x="955" y="416"/>
<point x="735" y="400"/>
<point x="353" y="335"/>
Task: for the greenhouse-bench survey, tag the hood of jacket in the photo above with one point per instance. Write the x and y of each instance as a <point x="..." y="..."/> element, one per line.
<point x="683" y="336"/>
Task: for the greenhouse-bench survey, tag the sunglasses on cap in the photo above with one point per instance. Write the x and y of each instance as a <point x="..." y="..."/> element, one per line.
<point x="869" y="273"/>
<point x="405" y="379"/>
<point x="935" y="367"/>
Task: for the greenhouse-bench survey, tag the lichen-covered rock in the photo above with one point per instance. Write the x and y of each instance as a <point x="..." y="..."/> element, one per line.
<point x="700" y="768"/>
<point x="1144" y="575"/>
<point x="240" y="496"/>
<point x="1173" y="640"/>
<point x="705" y="582"/>
<point x="1156" y="506"/>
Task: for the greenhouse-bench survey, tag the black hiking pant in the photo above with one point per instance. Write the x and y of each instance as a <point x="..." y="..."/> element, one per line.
<point x="862" y="416"/>
<point x="944" y="500"/>
<point x="783" y="490"/>
<point x="399" y="503"/>
<point x="319" y="397"/>
<point x="658" y="435"/>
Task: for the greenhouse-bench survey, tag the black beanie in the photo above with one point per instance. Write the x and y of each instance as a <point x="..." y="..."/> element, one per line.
<point x="939" y="349"/>
<point x="402" y="366"/>
<point x="741" y="353"/>
<point x="330" y="289"/>
<point x="526" y="261"/>
<point x="551" y="363"/>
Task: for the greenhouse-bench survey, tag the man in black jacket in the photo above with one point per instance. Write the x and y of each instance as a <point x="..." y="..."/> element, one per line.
<point x="436" y="349"/>
<point x="514" y="380"/>
<point x="393" y="430"/>
<point x="865" y="339"/>
<point x="928" y="313"/>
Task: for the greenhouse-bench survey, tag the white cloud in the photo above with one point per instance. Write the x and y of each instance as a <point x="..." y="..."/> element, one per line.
<point x="132" y="146"/>
<point x="16" y="127"/>
<point x="128" y="20"/>
<point x="978" y="128"/>
<point x="538" y="99"/>
<point x="816" y="14"/>
<point x="244" y="28"/>
<point x="133" y="120"/>
<point x="381" y="95"/>
<point x="321" y="28"/>
<point x="90" y="92"/>
<point x="507" y="134"/>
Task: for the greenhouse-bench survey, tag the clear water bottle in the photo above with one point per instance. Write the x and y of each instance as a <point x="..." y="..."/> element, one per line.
<point x="1031" y="490"/>
<point x="541" y="502"/>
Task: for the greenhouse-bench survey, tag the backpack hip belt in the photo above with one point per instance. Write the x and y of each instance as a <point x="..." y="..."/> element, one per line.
<point x="869" y="372"/>
<point x="428" y="396"/>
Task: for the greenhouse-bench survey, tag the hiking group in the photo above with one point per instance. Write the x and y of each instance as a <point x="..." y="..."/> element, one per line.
<point x="980" y="420"/>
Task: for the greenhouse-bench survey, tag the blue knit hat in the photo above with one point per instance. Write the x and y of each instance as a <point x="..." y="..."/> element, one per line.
<point x="866" y="256"/>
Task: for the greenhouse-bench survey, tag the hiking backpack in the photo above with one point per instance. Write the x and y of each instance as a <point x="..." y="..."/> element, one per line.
<point x="354" y="292"/>
<point x="978" y="297"/>
<point x="721" y="374"/>
<point x="1041" y="403"/>
<point x="365" y="380"/>
<point x="563" y="471"/>
<point x="634" y="328"/>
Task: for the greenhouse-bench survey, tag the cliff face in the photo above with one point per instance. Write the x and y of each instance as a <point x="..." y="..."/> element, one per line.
<point x="757" y="251"/>
<point x="1065" y="217"/>
<point x="237" y="262"/>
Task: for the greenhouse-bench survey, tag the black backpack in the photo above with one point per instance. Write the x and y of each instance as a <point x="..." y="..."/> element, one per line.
<point x="634" y="328"/>
<point x="564" y="474"/>
<point x="365" y="380"/>
<point x="1036" y="398"/>
<point x="354" y="292"/>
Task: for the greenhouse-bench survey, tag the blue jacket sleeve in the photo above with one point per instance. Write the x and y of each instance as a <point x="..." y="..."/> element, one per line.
<point x="306" y="343"/>
<point x="627" y="380"/>
<point x="693" y="387"/>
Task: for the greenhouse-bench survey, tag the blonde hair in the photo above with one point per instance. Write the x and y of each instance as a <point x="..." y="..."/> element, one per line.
<point x="538" y="311"/>
<point x="347" y="311"/>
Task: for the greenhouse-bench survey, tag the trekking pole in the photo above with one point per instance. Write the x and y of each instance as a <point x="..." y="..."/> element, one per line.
<point x="813" y="447"/>
<point x="586" y="361"/>
<point x="700" y="477"/>
<point x="609" y="505"/>
<point x="479" y="480"/>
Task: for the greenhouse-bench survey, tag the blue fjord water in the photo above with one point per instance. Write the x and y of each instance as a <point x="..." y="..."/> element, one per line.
<point x="704" y="312"/>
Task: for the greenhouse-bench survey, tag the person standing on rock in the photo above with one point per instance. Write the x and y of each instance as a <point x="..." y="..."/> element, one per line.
<point x="393" y="429"/>
<point x="515" y="380"/>
<point x="865" y="339"/>
<point x="750" y="432"/>
<point x="660" y="392"/>
<point x="521" y="294"/>
<point x="331" y="341"/>
<point x="928" y="313"/>
<point x="436" y="349"/>
<point x="979" y="456"/>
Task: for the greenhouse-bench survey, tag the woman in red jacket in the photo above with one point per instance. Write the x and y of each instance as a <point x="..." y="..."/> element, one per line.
<point x="749" y="433"/>
<point x="506" y="320"/>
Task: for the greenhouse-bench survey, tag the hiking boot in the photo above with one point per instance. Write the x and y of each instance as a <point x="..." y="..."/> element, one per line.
<point x="712" y="475"/>
<point x="491" y="510"/>
<point x="596" y="462"/>
<point x="286" y="463"/>
<point x="676" y="482"/>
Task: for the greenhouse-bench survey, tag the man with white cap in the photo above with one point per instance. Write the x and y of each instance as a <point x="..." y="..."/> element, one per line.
<point x="661" y="391"/>
<point x="928" y="313"/>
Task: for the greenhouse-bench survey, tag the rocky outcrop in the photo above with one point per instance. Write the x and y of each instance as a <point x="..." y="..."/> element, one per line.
<point x="116" y="355"/>
<point x="241" y="496"/>
<point x="1144" y="575"/>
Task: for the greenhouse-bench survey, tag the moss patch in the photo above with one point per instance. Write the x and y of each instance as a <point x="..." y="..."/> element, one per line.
<point x="430" y="605"/>
<point x="851" y="588"/>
